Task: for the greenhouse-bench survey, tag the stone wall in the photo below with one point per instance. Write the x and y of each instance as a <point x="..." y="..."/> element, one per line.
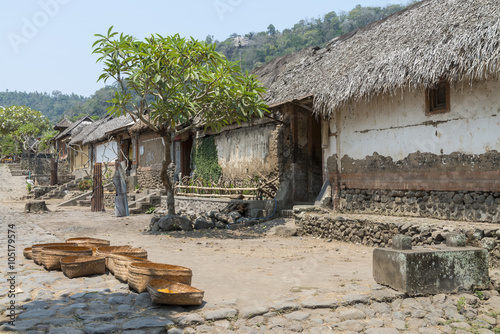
<point x="377" y="232"/>
<point x="37" y="164"/>
<point x="455" y="205"/>
<point x="149" y="178"/>
<point x="197" y="205"/>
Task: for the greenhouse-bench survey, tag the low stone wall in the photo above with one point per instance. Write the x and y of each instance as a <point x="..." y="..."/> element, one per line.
<point x="197" y="205"/>
<point x="463" y="206"/>
<point x="109" y="200"/>
<point x="149" y="179"/>
<point x="378" y="232"/>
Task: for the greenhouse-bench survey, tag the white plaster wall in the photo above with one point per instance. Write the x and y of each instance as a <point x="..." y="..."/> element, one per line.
<point x="106" y="152"/>
<point x="397" y="126"/>
<point x="244" y="150"/>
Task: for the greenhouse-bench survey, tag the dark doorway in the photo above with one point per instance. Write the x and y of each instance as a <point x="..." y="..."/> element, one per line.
<point x="186" y="147"/>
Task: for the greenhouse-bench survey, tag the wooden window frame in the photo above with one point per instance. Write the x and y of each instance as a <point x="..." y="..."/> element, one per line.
<point x="431" y="107"/>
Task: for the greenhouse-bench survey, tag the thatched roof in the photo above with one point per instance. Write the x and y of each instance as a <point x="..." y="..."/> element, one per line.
<point x="100" y="133"/>
<point x="75" y="127"/>
<point x="413" y="49"/>
<point x="87" y="130"/>
<point x="62" y="124"/>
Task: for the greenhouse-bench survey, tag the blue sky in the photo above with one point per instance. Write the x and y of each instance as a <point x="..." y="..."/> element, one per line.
<point x="46" y="45"/>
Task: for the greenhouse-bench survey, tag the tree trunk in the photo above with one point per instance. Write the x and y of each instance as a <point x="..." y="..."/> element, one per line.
<point x="164" y="175"/>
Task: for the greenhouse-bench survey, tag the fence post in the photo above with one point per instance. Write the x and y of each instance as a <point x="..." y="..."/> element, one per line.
<point x="97" y="200"/>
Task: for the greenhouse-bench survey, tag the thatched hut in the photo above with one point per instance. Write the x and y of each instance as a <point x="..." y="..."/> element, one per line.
<point x="409" y="109"/>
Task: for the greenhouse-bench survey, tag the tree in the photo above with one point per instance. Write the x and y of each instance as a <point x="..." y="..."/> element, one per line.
<point x="271" y="30"/>
<point x="20" y="128"/>
<point x="182" y="84"/>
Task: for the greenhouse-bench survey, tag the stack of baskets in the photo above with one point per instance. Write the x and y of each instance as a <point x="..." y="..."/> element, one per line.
<point x="166" y="284"/>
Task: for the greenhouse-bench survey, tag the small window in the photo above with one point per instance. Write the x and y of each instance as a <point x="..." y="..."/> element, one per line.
<point x="438" y="99"/>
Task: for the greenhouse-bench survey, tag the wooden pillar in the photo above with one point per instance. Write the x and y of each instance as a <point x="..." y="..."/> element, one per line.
<point x="97" y="201"/>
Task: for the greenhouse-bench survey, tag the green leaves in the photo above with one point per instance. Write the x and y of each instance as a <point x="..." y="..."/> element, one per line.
<point x="183" y="81"/>
<point x="20" y="125"/>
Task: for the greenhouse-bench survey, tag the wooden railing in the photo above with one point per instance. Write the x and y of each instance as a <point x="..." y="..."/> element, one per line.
<point x="219" y="192"/>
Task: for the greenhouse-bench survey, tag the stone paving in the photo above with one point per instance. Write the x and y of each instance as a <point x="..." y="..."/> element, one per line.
<point x="49" y="302"/>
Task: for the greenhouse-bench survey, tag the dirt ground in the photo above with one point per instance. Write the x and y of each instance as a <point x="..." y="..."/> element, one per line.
<point x="246" y="267"/>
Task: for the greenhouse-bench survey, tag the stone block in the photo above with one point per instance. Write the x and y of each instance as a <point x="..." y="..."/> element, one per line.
<point x="401" y="242"/>
<point x="455" y="240"/>
<point x="431" y="270"/>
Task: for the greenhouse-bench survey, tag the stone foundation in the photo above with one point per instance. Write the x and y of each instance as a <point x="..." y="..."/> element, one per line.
<point x="149" y="179"/>
<point x="378" y="232"/>
<point x="462" y="206"/>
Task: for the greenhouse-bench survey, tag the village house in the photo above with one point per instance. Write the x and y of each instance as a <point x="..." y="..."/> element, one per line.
<point x="402" y="116"/>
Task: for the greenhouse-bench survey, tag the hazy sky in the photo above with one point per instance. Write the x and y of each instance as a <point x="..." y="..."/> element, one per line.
<point x="46" y="45"/>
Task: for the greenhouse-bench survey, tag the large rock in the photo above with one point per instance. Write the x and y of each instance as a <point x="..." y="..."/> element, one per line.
<point x="203" y="222"/>
<point x="35" y="206"/>
<point x="174" y="223"/>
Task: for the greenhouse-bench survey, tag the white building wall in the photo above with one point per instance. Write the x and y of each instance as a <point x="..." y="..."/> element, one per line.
<point x="397" y="126"/>
<point x="106" y="152"/>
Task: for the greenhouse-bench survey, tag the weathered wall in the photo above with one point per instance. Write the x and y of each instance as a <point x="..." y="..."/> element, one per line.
<point x="80" y="160"/>
<point x="391" y="144"/>
<point x="248" y="151"/>
<point x="149" y="178"/>
<point x="151" y="150"/>
<point x="106" y="152"/>
<point x="401" y="124"/>
<point x="150" y="157"/>
<point x="379" y="233"/>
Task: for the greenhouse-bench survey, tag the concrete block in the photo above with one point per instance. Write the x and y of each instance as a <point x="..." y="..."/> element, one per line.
<point x="431" y="270"/>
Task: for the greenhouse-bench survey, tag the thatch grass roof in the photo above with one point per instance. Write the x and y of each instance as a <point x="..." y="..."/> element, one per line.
<point x="87" y="130"/>
<point x="455" y="40"/>
<point x="74" y="128"/>
<point x="100" y="133"/>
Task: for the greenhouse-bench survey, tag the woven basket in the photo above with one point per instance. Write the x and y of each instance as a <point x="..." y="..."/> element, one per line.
<point x="51" y="255"/>
<point x="181" y="294"/>
<point x="77" y="266"/>
<point x="140" y="273"/>
<point x="122" y="262"/>
<point x="27" y="252"/>
<point x="89" y="242"/>
<point x="36" y="250"/>
<point x="107" y="251"/>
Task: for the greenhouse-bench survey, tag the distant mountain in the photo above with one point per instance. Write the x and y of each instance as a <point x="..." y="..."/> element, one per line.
<point x="56" y="105"/>
<point x="255" y="49"/>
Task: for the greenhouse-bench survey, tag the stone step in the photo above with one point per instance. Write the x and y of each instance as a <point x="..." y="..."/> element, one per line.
<point x="83" y="203"/>
<point x="287" y="213"/>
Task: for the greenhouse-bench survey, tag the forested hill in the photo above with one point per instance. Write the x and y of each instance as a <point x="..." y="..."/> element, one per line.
<point x="252" y="50"/>
<point x="57" y="105"/>
<point x="256" y="49"/>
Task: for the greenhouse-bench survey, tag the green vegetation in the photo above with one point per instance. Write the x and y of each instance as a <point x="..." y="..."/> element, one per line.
<point x="256" y="49"/>
<point x="181" y="84"/>
<point x="20" y="129"/>
<point x="461" y="304"/>
<point x="85" y="185"/>
<point x="206" y="161"/>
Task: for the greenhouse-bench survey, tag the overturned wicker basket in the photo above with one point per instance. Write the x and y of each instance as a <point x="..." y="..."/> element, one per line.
<point x="27" y="252"/>
<point x="51" y="255"/>
<point x="77" y="266"/>
<point x="140" y="273"/>
<point x="178" y="294"/>
<point x="106" y="251"/>
<point x="36" y="250"/>
<point x="89" y="242"/>
<point x="121" y="264"/>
